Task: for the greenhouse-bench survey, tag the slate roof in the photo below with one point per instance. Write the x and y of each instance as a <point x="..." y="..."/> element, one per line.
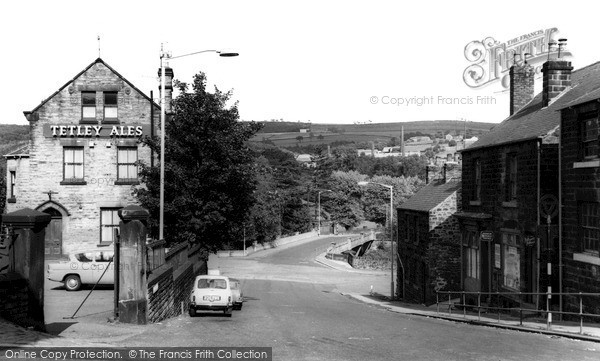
<point x="21" y="151"/>
<point x="534" y="121"/>
<point x="431" y="195"/>
<point x="99" y="60"/>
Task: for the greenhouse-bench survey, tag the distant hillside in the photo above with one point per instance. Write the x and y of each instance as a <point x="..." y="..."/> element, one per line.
<point x="287" y="133"/>
<point x="12" y="136"/>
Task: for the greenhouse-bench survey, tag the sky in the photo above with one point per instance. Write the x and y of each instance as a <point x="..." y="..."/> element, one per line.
<point x="338" y="62"/>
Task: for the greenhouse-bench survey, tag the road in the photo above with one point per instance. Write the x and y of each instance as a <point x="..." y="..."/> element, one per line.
<point x="296" y="306"/>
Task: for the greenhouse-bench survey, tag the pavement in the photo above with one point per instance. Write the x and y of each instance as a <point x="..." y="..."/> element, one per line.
<point x="573" y="330"/>
<point x="98" y="330"/>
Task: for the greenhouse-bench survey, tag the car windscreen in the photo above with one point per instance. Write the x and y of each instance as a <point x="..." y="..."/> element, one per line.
<point x="84" y="257"/>
<point x="212" y="283"/>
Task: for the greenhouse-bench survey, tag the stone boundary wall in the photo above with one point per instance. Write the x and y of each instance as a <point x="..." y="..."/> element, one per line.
<point x="371" y="264"/>
<point x="15" y="299"/>
<point x="170" y="285"/>
<point x="261" y="247"/>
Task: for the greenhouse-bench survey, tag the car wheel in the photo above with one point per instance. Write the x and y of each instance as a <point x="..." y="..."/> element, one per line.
<point x="72" y="283"/>
<point x="192" y="312"/>
<point x="240" y="306"/>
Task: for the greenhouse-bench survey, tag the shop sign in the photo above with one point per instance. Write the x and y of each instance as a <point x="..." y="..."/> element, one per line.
<point x="486" y="236"/>
<point x="95" y="131"/>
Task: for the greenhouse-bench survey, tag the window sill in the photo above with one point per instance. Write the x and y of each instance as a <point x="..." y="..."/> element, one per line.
<point x="73" y="183"/>
<point x="475" y="203"/>
<point x="110" y="121"/>
<point x="587" y="258"/>
<point x="11" y="200"/>
<point x="88" y="121"/>
<point x="126" y="182"/>
<point x="103" y="244"/>
<point x="511" y="204"/>
<point x="587" y="164"/>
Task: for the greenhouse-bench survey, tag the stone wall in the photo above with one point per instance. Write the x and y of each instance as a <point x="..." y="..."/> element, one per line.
<point x="371" y="264"/>
<point x="444" y="248"/>
<point x="15" y="299"/>
<point x="170" y="285"/>
<point x="160" y="294"/>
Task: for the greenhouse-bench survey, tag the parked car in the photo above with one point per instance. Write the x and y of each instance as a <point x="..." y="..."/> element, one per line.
<point x="211" y="293"/>
<point x="84" y="267"/>
<point x="237" y="294"/>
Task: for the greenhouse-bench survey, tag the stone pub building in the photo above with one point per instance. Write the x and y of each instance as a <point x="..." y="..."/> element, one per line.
<point x="80" y="165"/>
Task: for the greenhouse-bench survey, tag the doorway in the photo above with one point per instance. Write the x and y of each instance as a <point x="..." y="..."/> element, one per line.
<point x="53" y="239"/>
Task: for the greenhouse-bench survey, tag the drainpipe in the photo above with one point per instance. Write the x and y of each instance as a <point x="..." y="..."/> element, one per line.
<point x="560" y="255"/>
<point x="538" y="269"/>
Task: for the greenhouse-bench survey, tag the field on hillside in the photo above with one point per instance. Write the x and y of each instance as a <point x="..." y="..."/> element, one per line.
<point x="358" y="133"/>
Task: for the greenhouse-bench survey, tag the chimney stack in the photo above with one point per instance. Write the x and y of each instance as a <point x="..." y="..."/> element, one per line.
<point x="168" y="88"/>
<point x="521" y="86"/>
<point x="557" y="75"/>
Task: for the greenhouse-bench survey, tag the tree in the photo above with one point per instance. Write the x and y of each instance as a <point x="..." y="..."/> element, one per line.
<point x="285" y="194"/>
<point x="209" y="170"/>
<point x="376" y="198"/>
<point x="299" y="138"/>
<point x="343" y="203"/>
<point x="263" y="224"/>
<point x="2" y="191"/>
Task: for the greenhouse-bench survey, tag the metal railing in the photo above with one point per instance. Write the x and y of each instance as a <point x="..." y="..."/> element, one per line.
<point x="499" y="297"/>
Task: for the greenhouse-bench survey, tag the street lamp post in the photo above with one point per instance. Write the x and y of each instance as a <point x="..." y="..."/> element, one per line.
<point x="319" y="211"/>
<point x="391" y="217"/>
<point x="163" y="57"/>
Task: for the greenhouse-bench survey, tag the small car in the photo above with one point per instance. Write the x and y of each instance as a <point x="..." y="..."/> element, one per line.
<point x="211" y="293"/>
<point x="238" y="295"/>
<point x="84" y="267"/>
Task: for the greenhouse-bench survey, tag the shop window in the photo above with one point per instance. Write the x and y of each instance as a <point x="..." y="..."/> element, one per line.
<point x="110" y="107"/>
<point x="589" y="227"/>
<point x="511" y="262"/>
<point x="13" y="182"/>
<point x="88" y="107"/>
<point x="477" y="180"/>
<point x="127" y="169"/>
<point x="109" y="221"/>
<point x="471" y="254"/>
<point x="510" y="179"/>
<point x="588" y="134"/>
<point x="73" y="165"/>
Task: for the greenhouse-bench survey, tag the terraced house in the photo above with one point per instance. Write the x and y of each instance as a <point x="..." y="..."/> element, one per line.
<point x="81" y="161"/>
<point x="510" y="234"/>
<point x="580" y="193"/>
